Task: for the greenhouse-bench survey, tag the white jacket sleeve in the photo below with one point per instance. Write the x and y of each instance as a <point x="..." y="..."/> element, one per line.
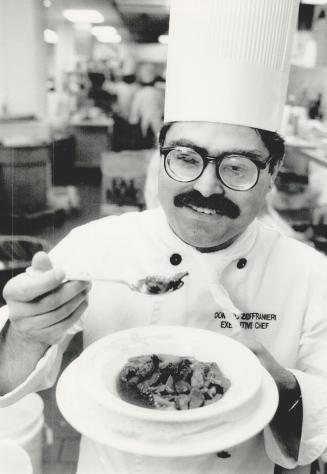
<point x="46" y="371"/>
<point x="311" y="374"/>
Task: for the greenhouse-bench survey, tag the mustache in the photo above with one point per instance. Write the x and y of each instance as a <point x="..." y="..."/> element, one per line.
<point x="216" y="202"/>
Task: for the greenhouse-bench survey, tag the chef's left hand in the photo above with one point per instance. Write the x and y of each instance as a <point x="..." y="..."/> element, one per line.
<point x="284" y="379"/>
<point x="286" y="429"/>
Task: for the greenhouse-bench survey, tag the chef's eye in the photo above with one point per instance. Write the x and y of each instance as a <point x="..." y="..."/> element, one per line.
<point x="237" y="166"/>
<point x="187" y="159"/>
<point x="234" y="170"/>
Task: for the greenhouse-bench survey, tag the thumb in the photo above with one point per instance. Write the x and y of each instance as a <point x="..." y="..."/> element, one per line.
<point x="41" y="262"/>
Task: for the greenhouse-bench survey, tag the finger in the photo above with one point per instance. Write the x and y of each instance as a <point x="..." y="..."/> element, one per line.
<point x="52" y="318"/>
<point x="60" y="296"/>
<point x="50" y="301"/>
<point x="60" y="329"/>
<point x="41" y="262"/>
<point x="26" y="288"/>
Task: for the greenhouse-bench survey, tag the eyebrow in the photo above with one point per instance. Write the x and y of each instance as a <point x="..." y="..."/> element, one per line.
<point x="203" y="151"/>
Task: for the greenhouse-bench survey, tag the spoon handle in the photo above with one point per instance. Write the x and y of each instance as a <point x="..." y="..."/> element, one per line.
<point x="84" y="276"/>
<point x="80" y="276"/>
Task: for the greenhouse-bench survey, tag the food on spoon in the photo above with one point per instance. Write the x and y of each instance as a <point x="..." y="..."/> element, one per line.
<point x="171" y="382"/>
<point x="156" y="285"/>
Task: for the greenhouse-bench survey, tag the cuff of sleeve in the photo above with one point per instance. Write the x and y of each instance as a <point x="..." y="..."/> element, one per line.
<point x="314" y="426"/>
<point x="275" y="452"/>
<point x="42" y="377"/>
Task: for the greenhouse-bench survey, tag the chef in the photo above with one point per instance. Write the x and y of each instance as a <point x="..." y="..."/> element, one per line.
<point x="227" y="74"/>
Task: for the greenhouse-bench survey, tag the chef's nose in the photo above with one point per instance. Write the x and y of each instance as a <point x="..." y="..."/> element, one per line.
<point x="208" y="183"/>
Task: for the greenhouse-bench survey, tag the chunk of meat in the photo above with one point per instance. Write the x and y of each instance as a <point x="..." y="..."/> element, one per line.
<point x="198" y="376"/>
<point x="196" y="398"/>
<point x="182" y="402"/>
<point x="156" y="285"/>
<point x="182" y="387"/>
<point x="171" y="382"/>
<point x="138" y="368"/>
<point x="162" y="402"/>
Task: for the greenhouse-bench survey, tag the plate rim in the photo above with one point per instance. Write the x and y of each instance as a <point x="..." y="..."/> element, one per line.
<point x="185" y="445"/>
<point x="122" y="407"/>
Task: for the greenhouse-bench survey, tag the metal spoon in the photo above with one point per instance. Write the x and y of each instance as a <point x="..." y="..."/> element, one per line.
<point x="150" y="285"/>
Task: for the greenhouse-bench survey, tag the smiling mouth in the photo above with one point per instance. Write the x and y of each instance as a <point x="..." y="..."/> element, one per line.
<point x="203" y="210"/>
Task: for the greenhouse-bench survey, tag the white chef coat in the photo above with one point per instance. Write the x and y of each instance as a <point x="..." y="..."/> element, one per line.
<point x="281" y="291"/>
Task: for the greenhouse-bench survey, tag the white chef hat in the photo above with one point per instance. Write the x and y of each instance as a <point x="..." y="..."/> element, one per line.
<point x="228" y="61"/>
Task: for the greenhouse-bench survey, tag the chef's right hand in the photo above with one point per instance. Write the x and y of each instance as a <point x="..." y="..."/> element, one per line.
<point x="41" y="307"/>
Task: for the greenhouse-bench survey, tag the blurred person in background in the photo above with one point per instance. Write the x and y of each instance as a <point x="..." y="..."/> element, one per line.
<point x="125" y="89"/>
<point x="100" y="97"/>
<point x="147" y="107"/>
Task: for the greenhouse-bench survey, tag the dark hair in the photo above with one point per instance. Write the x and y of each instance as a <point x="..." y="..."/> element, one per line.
<point x="129" y="78"/>
<point x="272" y="141"/>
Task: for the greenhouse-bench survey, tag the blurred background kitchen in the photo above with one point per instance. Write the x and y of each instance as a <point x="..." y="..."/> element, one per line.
<point x="81" y="102"/>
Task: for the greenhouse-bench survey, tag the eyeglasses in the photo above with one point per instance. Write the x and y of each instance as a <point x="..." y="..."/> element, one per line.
<point x="236" y="171"/>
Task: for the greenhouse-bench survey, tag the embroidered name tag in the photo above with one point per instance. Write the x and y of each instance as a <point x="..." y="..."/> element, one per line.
<point x="247" y="320"/>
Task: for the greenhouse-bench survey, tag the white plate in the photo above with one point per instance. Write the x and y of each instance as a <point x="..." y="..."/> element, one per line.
<point x="101" y="363"/>
<point x="92" y="421"/>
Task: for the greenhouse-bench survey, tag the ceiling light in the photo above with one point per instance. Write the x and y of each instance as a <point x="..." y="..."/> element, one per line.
<point x="103" y="30"/>
<point x="163" y="39"/>
<point x="50" y="36"/>
<point x="314" y="2"/>
<point x="47" y="3"/>
<point x="106" y="34"/>
<point x="113" y="38"/>
<point x="83" y="16"/>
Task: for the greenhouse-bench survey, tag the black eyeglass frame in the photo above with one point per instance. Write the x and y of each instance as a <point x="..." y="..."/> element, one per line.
<point x="261" y="165"/>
